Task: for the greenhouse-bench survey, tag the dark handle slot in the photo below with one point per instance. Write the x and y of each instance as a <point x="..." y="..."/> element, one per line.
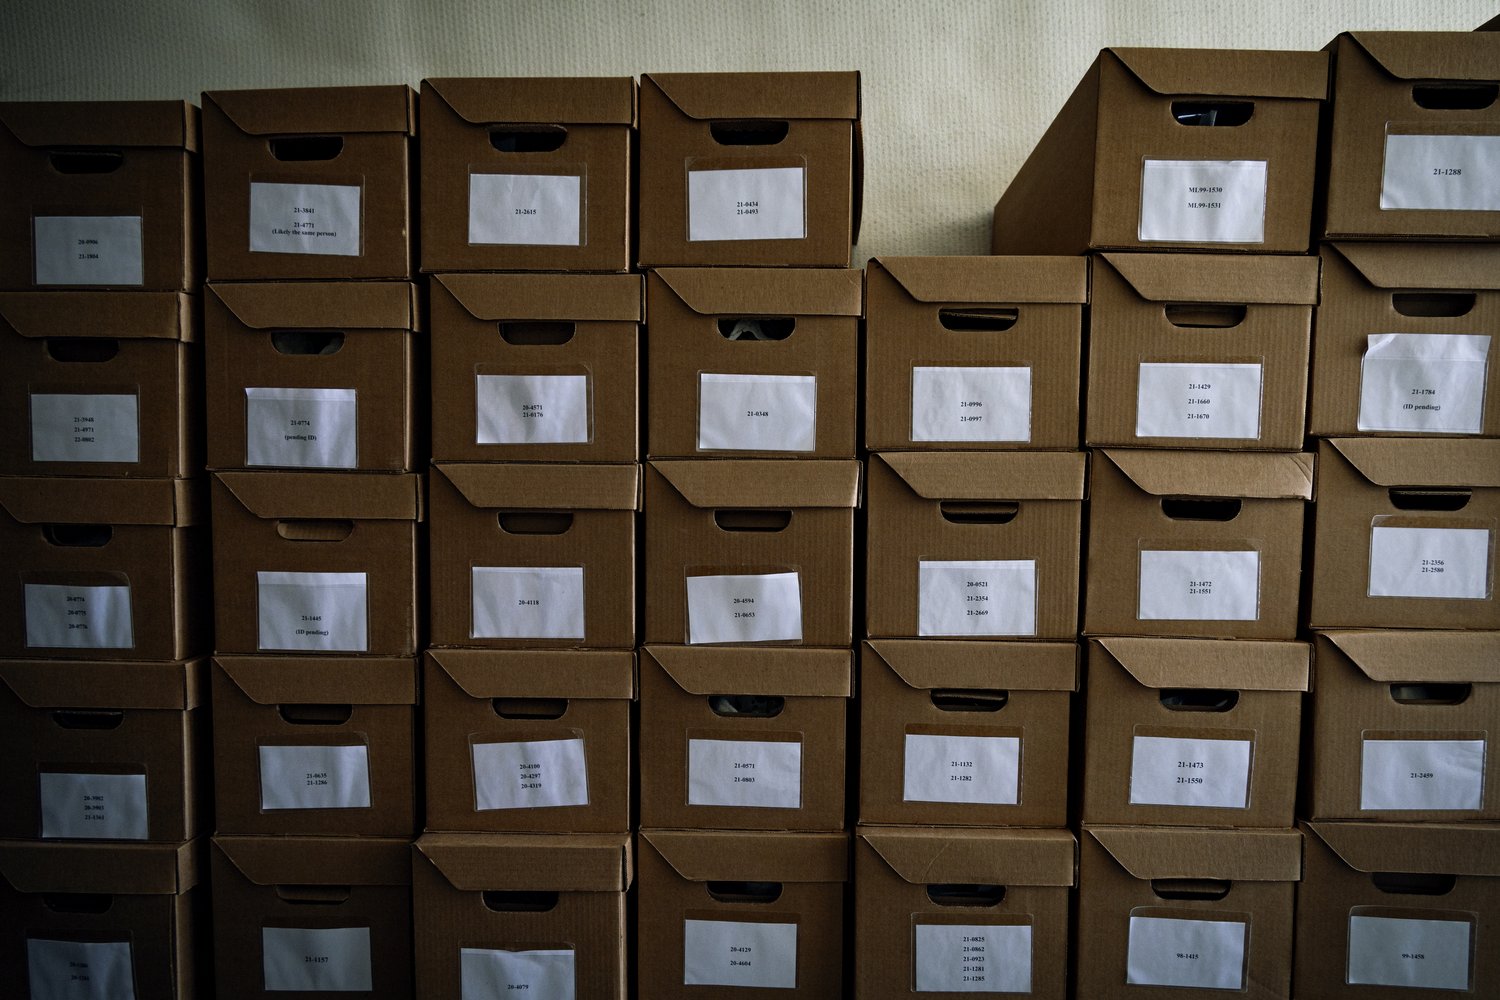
<point x="306" y="147"/>
<point x="78" y="902"/>
<point x="1413" y="883"/>
<point x="754" y="706"/>
<point x="535" y="522"/>
<point x="1441" y="305"/>
<point x="965" y="894"/>
<point x="529" y="708"/>
<point x="752" y="520"/>
<point x="309" y="714"/>
<point x="90" y="536"/>
<point x="1431" y="694"/>
<point x="313" y="895"/>
<point x="756" y="327"/>
<point x="536" y="334"/>
<point x="1190" y="888"/>
<point x="315" y="530"/>
<point x="1429" y="499"/>
<point x="982" y="320"/>
<point x="1454" y="96"/>
<point x="745" y="892"/>
<point x="1198" y="700"/>
<point x="86" y="161"/>
<point x="86" y="718"/>
<point x="519" y="901"/>
<point x="748" y="133"/>
<point x="528" y="138"/>
<point x="1201" y="508"/>
<point x="1204" y="315"/>
<point x="969" y="701"/>
<point x="979" y="511"/>
<point x="82" y="350"/>
<point x="1217" y="114"/>
<point x="307" y="342"/>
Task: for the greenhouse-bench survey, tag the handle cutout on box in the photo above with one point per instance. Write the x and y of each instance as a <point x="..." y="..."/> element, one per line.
<point x="756" y="327"/>
<point x="745" y="892"/>
<point x="1198" y="699"/>
<point x="1413" y="883"/>
<point x="748" y="133"/>
<point x="965" y="894"/>
<point x="86" y="536"/>
<point x="953" y="700"/>
<point x="1454" y="96"/>
<point x="529" y="708"/>
<point x="746" y="706"/>
<point x="1431" y="694"/>
<point x="313" y="895"/>
<point x="1429" y="499"/>
<point x="306" y="147"/>
<point x="735" y="519"/>
<point x="82" y="350"/>
<point x="1201" y="508"/>
<point x="1204" y="315"/>
<point x="312" y="714"/>
<point x="1213" y="114"/>
<point x="315" y="530"/>
<point x="100" y="719"/>
<point x="528" y="138"/>
<point x="1206" y="889"/>
<point x="979" y="511"/>
<point x="966" y="320"/>
<point x="86" y="161"/>
<point x="535" y="522"/>
<point x="78" y="902"/>
<point x="1433" y="304"/>
<point x="537" y="333"/>
<point x="307" y="342"/>
<point x="519" y="900"/>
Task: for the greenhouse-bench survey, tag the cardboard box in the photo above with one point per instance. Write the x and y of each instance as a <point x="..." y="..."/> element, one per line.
<point x="752" y="363"/>
<point x="1205" y="544"/>
<point x="100" y="384"/>
<point x="751" y="551"/>
<point x="1401" y="725"/>
<point x="316" y="562"/>
<point x="1414" y="135"/>
<point x="527" y="174"/>
<point x="962" y="911"/>
<point x="1162" y="909"/>
<point x="1193" y="732"/>
<point x="1404" y="534"/>
<point x="313" y="375"/>
<point x="1199" y="352"/>
<point x="1403" y="341"/>
<point x="974" y="544"/>
<point x="965" y="734"/>
<point x="309" y="183"/>
<point x="100" y="194"/>
<point x="103" y="569"/>
<point x="743" y="739"/>
<point x="763" y="169"/>
<point x="559" y="383"/>
<point x="103" y="751"/>
<point x="114" y="918"/>
<point x="311" y="914"/>
<point x="534" y="741"/>
<point x="967" y="353"/>
<point x="1196" y="149"/>
<point x="534" y="555"/>
<point x="501" y="912"/>
<point x="721" y="912"/>
<point x="321" y="747"/>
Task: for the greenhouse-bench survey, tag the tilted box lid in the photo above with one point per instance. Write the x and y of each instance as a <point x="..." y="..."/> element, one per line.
<point x="535" y="486"/>
<point x="1396" y="657"/>
<point x="590" y="100"/>
<point x="816" y="673"/>
<point x="573" y="862"/>
<point x="318" y="110"/>
<point x="132" y="315"/>
<point x="712" y="855"/>
<point x="34" y="866"/>
<point x="56" y="500"/>
<point x="112" y="685"/>
<point x="539" y="673"/>
<point x="318" y="860"/>
<point x="1228" y="664"/>
<point x="281" y="680"/>
<point x="1436" y="266"/>
<point x="125" y="124"/>
<point x="1229" y="72"/>
<point x="1219" y="278"/>
<point x="985" y="280"/>
<point x="703" y="96"/>
<point x="580" y="297"/>
<point x="1433" y="55"/>
<point x="1254" y="475"/>
<point x="327" y="495"/>
<point x="763" y="483"/>
<point x="766" y="291"/>
<point x="1418" y="848"/>
<point x="328" y="305"/>
<point x="1412" y="462"/>
<point x="1021" y="475"/>
<point x="928" y="665"/>
<point x="1234" y="855"/>
<point x="990" y="857"/>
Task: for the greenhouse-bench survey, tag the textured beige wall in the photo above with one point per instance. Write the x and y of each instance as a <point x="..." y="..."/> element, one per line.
<point x="956" y="91"/>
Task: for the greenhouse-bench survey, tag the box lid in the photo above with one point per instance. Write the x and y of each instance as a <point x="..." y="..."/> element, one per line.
<point x="134" y="315"/>
<point x="128" y="124"/>
<point x="318" y="110"/>
<point x="814" y="673"/>
<point x="1229" y="664"/>
<point x="770" y="483"/>
<point x="129" y="869"/>
<point x="573" y="862"/>
<point x="536" y="486"/>
<point x="327" y="495"/>
<point x="992" y="857"/>
<point x="539" y="673"/>
<point x="761" y="95"/>
<point x="1394" y="657"/>
<point x="1222" y="278"/>
<point x="308" y="680"/>
<point x="318" y="860"/>
<point x="1229" y="72"/>
<point x="990" y="475"/>
<point x="711" y="855"/>
<point x="111" y="685"/>
<point x="48" y="500"/>
<point x="981" y="666"/>
<point x="1438" y="266"/>
<point x="1165" y="852"/>
<point x="1424" y="461"/>
<point x="1433" y="55"/>
<point x="594" y="100"/>
<point x="582" y="297"/>
<point x="766" y="291"/>
<point x="1256" y="475"/>
<point x="991" y="279"/>
<point x="327" y="305"/>
<point x="1419" y="848"/>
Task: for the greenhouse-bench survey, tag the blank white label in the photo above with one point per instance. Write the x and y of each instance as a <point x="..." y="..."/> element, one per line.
<point x="94" y="806"/>
<point x="305" y="218"/>
<point x="314" y="777"/>
<point x="333" y="959"/>
<point x="1423" y="383"/>
<point x="530" y="774"/>
<point x="525" y="210"/>
<point x="1422" y="774"/>
<point x="1441" y="172"/>
<point x="732" y="953"/>
<point x="1173" y="771"/>
<point x="970" y="770"/>
<point x="80" y="970"/>
<point x="971" y="404"/>
<point x="59" y="616"/>
<point x="994" y="597"/>
<point x="973" y="958"/>
<point x="532" y="409"/>
<point x="1198" y="401"/>
<point x="1203" y="201"/>
<point x="85" y="427"/>
<point x="1420" y="954"/>
<point x="757" y="412"/>
<point x="527" y="602"/>
<point x="757" y="774"/>
<point x="1430" y="562"/>
<point x="302" y="428"/>
<point x="490" y="974"/>
<point x="752" y="608"/>
<point x="764" y="203"/>
<point x="88" y="250"/>
<point x="1204" y="954"/>
<point x="324" y="611"/>
<point x="1199" y="586"/>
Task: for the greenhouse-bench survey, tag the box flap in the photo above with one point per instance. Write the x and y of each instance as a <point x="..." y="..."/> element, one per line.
<point x="1433" y="55"/>
<point x="1227" y="664"/>
<point x="594" y="100"/>
<point x="987" y="857"/>
<point x="813" y="673"/>
<point x="573" y="862"/>
<point x="129" y="869"/>
<point x="1163" y="852"/>
<point x="1392" y="657"/>
<point x="308" y="680"/>
<point x="712" y="855"/>
<point x="1441" y="266"/>
<point x="1238" y="279"/>
<point x="48" y="500"/>
<point x="535" y="486"/>
<point x="159" y="124"/>
<point x="928" y="665"/>
<point x="318" y="110"/>
<point x="325" y="305"/>
<point x="330" y="495"/>
<point x="318" y="860"/>
<point x="537" y="673"/>
<point x="1273" y="476"/>
<point x="581" y="297"/>
<point x="112" y="684"/>
<point x="1424" y="461"/>
<point x="137" y="315"/>
<point x="985" y="280"/>
<point x="761" y="95"/>
<point x="1418" y="848"/>
<point x="773" y="483"/>
<point x="990" y="475"/>
<point x="766" y="291"/>
<point x="1229" y="72"/>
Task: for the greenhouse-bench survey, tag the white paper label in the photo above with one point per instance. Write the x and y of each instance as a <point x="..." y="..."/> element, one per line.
<point x="532" y="409"/>
<point x="1441" y="172"/>
<point x="530" y="774"/>
<point x="1422" y="774"/>
<point x="970" y="404"/>
<point x="326" y="611"/>
<point x="973" y="958"/>
<point x="734" y="953"/>
<point x="1423" y="383"/>
<point x="753" y="608"/>
<point x="1204" y="954"/>
<point x="490" y="974"/>
<point x="80" y="970"/>
<point x="1171" y="771"/>
<point x="333" y="959"/>
<point x="971" y="770"/>
<point x="1421" y="954"/>
<point x="1430" y="562"/>
<point x="757" y="774"/>
<point x="302" y="428"/>
<point x="757" y="412"/>
<point x="1198" y="401"/>
<point x="527" y="602"/>
<point x="93" y="806"/>
<point x="994" y="597"/>
<point x="539" y="210"/>
<point x="59" y="616"/>
<point x="1199" y="586"/>
<point x="314" y="777"/>
<point x="88" y="250"/>
<point x="1203" y="201"/>
<point x="85" y="427"/>
<point x="764" y="203"/>
<point x="305" y="218"/>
